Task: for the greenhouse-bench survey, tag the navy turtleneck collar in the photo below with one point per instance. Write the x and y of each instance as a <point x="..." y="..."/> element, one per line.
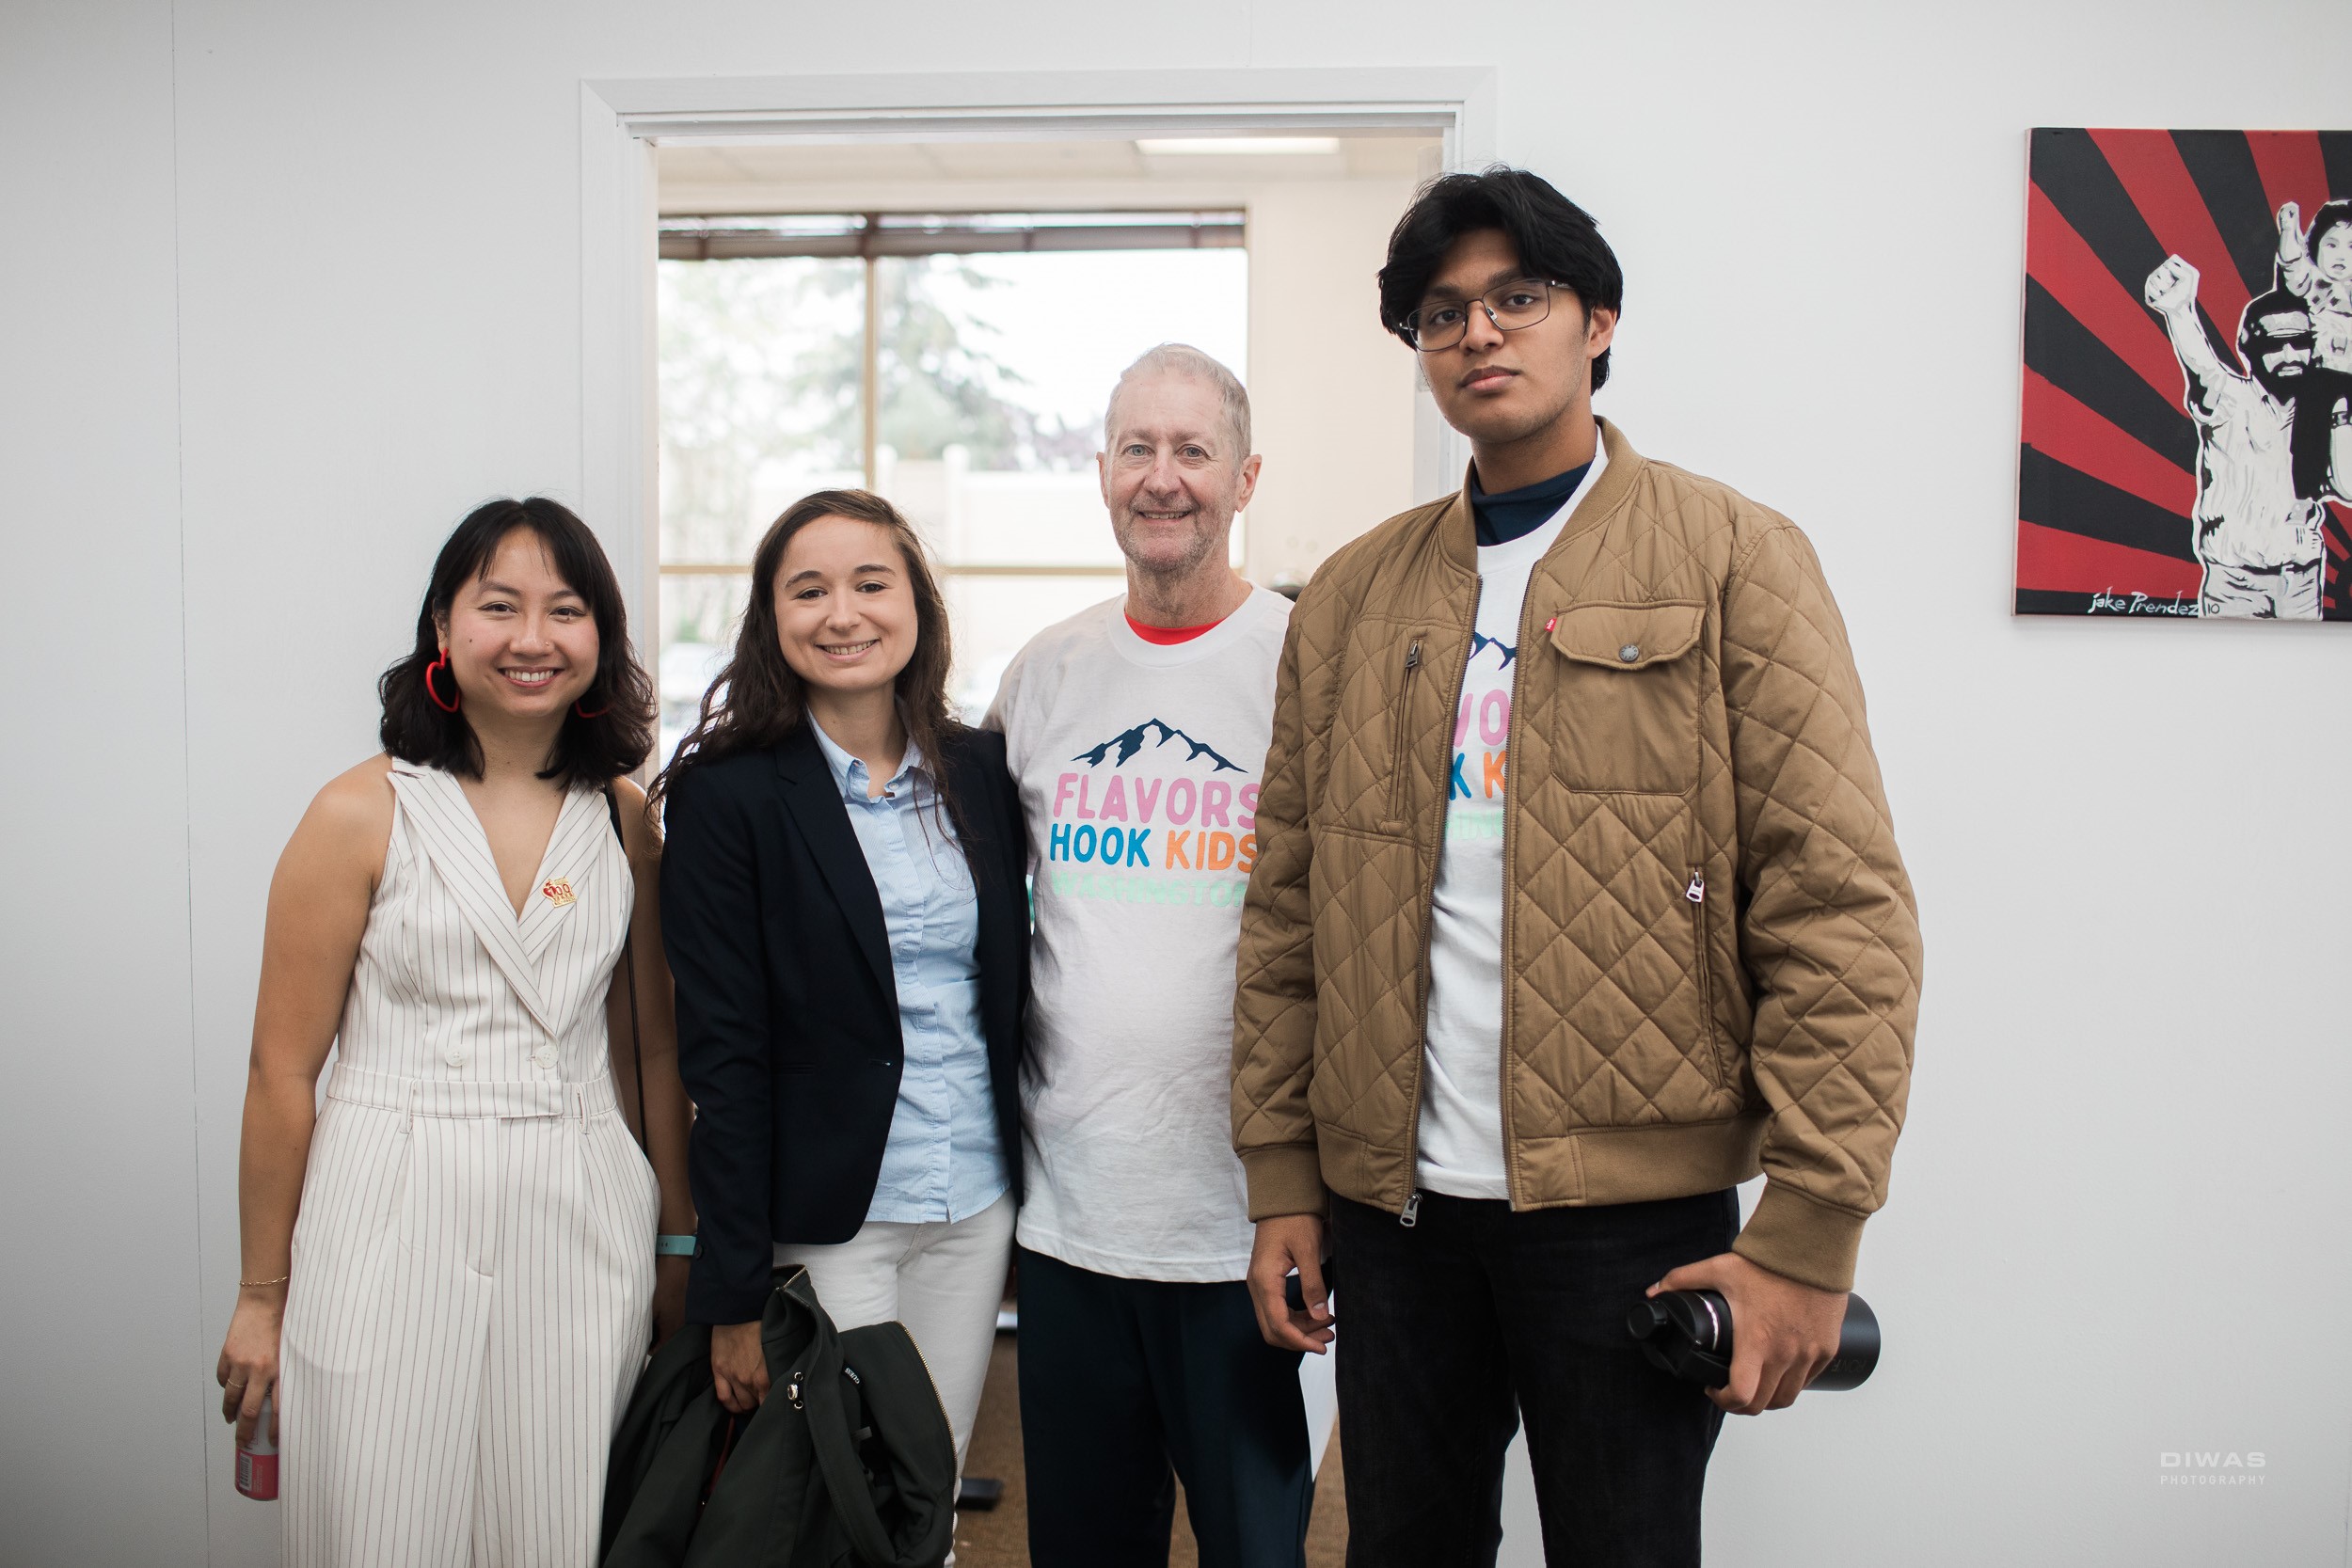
<point x="1508" y="514"/>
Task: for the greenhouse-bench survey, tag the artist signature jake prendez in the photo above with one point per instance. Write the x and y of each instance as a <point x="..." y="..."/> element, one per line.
<point x="2112" y="603"/>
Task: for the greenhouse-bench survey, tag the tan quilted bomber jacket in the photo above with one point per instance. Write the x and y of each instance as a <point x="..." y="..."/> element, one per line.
<point x="1714" y="955"/>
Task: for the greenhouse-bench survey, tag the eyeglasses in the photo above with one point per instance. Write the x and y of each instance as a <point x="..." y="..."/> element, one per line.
<point x="1442" y="322"/>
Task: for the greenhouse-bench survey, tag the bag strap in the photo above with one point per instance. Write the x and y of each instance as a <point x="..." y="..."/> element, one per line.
<point x="853" y="1490"/>
<point x="628" y="964"/>
<point x="813" y="1387"/>
<point x="845" y="1476"/>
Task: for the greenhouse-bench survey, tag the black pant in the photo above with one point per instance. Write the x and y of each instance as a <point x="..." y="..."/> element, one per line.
<point x="1453" y="1330"/>
<point x="1119" y="1377"/>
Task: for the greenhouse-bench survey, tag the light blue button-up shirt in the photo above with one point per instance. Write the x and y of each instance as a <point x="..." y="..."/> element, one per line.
<point x="944" y="1159"/>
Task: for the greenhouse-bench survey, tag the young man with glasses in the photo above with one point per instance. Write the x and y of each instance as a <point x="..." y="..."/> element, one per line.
<point x="1520" y="1032"/>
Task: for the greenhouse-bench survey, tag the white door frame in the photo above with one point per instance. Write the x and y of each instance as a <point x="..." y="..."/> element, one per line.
<point x="620" y="121"/>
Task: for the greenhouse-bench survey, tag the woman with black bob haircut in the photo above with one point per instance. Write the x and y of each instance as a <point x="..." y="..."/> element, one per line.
<point x="843" y="903"/>
<point x="449" y="1269"/>
<point x="1556" y="239"/>
<point x="608" y="730"/>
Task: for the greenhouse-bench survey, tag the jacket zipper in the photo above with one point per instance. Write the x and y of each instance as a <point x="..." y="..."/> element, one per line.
<point x="1410" y="1215"/>
<point x="1401" y="751"/>
<point x="1696" y="895"/>
<point x="1510" y="893"/>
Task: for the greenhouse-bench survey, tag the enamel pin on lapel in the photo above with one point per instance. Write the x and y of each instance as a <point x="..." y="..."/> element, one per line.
<point x="558" y="892"/>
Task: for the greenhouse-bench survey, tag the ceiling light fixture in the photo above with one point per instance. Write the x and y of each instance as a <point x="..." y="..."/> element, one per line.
<point x="1225" y="147"/>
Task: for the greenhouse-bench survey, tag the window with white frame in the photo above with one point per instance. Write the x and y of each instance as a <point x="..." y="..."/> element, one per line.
<point x="955" y="363"/>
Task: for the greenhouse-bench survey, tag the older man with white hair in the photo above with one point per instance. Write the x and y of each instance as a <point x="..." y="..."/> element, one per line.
<point x="1137" y="730"/>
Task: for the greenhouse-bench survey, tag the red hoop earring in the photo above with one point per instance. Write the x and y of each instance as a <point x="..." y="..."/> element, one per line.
<point x="585" y="714"/>
<point x="455" y="703"/>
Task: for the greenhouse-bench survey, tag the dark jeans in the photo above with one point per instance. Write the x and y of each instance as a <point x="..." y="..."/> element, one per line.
<point x="1453" y="1330"/>
<point x="1121" y="1377"/>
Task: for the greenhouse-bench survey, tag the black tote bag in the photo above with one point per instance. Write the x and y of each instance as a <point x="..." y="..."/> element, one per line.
<point x="850" y="1464"/>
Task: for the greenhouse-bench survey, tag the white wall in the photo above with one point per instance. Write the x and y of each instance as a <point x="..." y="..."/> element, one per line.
<point x="101" y="1442"/>
<point x="288" y="288"/>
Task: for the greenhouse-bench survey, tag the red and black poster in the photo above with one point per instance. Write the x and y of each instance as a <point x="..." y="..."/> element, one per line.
<point x="2186" y="446"/>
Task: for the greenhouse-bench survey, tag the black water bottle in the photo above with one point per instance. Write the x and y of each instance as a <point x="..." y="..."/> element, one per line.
<point x="1688" y="1333"/>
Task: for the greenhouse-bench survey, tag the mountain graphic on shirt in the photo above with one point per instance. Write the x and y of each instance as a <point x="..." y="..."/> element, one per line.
<point x="1479" y="643"/>
<point x="1126" y="743"/>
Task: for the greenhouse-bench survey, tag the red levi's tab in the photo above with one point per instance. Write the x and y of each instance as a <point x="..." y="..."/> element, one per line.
<point x="1169" y="636"/>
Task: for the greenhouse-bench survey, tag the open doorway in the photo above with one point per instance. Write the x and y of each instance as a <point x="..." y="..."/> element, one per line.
<point x="940" y="321"/>
<point x="1059" y="243"/>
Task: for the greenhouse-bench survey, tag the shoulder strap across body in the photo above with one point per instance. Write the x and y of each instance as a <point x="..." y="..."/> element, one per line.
<point x="629" y="966"/>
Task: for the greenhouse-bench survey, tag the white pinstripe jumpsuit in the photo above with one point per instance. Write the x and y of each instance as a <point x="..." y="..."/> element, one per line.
<point x="473" y="1258"/>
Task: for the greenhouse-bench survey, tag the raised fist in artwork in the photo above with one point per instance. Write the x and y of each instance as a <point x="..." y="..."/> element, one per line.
<point x="2172" y="288"/>
<point x="2291" y="249"/>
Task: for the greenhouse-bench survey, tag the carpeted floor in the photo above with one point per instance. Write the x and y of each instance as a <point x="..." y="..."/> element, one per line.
<point x="999" y="1537"/>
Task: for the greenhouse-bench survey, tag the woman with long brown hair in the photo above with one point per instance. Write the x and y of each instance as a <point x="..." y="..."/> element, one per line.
<point x="843" y="912"/>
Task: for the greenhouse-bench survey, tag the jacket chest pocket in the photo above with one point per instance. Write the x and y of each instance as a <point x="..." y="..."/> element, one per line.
<point x="1628" y="688"/>
<point x="1388" y="705"/>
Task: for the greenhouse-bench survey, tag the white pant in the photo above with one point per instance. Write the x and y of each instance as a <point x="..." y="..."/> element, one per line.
<point x="943" y="1280"/>
<point x="2288" y="592"/>
<point x="471" y="1289"/>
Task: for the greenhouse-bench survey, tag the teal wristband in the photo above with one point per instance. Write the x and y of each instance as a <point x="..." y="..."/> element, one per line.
<point x="673" y="1247"/>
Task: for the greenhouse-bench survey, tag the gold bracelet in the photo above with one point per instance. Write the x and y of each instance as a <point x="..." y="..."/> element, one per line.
<point x="256" y="1284"/>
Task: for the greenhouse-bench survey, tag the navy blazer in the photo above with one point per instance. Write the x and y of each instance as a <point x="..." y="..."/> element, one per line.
<point x="788" y="1014"/>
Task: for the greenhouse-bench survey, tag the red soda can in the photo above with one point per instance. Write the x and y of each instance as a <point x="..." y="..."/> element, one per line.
<point x="257" y="1457"/>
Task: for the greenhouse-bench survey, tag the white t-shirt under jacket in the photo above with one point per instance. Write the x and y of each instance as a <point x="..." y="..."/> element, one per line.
<point x="1461" y="1092"/>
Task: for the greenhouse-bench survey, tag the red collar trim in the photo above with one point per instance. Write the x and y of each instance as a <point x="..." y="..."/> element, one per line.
<point x="1169" y="636"/>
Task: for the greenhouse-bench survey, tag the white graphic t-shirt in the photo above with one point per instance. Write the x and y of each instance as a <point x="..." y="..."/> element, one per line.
<point x="1461" y="1080"/>
<point x="1138" y="767"/>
